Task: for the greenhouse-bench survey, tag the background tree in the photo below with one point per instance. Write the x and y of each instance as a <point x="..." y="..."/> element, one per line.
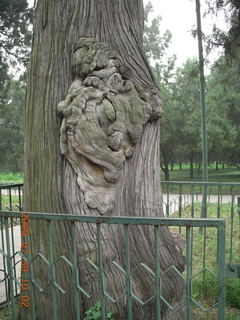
<point x="180" y="137"/>
<point x="224" y="112"/>
<point x="15" y="40"/>
<point x="11" y="125"/>
<point x="109" y="120"/>
<point x="15" y="32"/>
<point x="229" y="39"/>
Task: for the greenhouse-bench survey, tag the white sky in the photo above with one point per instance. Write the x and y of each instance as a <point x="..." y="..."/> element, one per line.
<point x="179" y="17"/>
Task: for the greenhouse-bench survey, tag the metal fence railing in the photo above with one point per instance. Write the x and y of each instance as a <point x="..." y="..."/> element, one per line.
<point x="11" y="197"/>
<point x="180" y="200"/>
<point x="184" y="199"/>
<point x="127" y="226"/>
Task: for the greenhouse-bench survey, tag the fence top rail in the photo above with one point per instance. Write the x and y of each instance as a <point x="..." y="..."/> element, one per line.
<point x="187" y="222"/>
<point x="194" y="183"/>
<point x="7" y="186"/>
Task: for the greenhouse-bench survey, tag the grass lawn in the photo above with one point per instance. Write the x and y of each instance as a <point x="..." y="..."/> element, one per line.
<point x="230" y="175"/>
<point x="6" y="313"/>
<point x="11" y="178"/>
<point x="6" y="205"/>
<point x="205" y="285"/>
<point x="221" y="175"/>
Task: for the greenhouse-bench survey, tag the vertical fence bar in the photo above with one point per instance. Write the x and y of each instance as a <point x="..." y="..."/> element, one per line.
<point x="192" y="216"/>
<point x="9" y="269"/>
<point x="204" y="246"/>
<point x="10" y="199"/>
<point x="13" y="253"/>
<point x="52" y="271"/>
<point x="218" y="202"/>
<point x="192" y="208"/>
<point x="19" y="198"/>
<point x="180" y="204"/>
<point x="238" y="208"/>
<point x="75" y="271"/>
<point x="100" y="273"/>
<point x="221" y="270"/>
<point x="128" y="272"/>
<point x="157" y="274"/>
<point x="232" y="221"/>
<point x="167" y="205"/>
<point x="4" y="259"/>
<point x="189" y="273"/>
<point x="0" y="198"/>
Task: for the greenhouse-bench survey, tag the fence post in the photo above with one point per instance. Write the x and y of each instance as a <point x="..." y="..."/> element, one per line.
<point x="221" y="270"/>
<point x="10" y="269"/>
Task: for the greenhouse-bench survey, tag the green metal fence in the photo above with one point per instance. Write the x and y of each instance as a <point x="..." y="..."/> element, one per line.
<point x="11" y="197"/>
<point x="157" y="298"/>
<point x="184" y="199"/>
<point x="181" y="200"/>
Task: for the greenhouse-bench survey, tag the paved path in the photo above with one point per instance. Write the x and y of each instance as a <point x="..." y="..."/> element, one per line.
<point x="174" y="200"/>
<point x="14" y="192"/>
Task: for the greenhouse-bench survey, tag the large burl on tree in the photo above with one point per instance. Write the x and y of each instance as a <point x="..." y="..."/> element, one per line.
<point x="92" y="148"/>
<point x="103" y="119"/>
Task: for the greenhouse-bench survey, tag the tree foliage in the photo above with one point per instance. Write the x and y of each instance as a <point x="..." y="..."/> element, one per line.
<point x="180" y="123"/>
<point x="229" y="39"/>
<point x="223" y="101"/>
<point x="11" y="125"/>
<point x="15" y="39"/>
<point x="15" y="32"/>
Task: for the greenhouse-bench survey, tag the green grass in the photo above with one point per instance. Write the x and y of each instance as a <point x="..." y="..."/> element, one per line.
<point x="6" y="313"/>
<point x="221" y="175"/>
<point x="11" y="178"/>
<point x="6" y="203"/>
<point x="205" y="285"/>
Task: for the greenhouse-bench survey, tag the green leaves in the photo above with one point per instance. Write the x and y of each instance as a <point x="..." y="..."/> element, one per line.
<point x="12" y="96"/>
<point x="223" y="102"/>
<point x="15" y="31"/>
<point x="95" y="313"/>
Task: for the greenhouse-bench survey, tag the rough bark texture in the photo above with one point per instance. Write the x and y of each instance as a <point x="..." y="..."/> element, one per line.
<point x="103" y="119"/>
<point x="92" y="147"/>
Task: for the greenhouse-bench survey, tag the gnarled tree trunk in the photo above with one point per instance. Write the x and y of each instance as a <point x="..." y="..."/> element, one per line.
<point x="92" y="147"/>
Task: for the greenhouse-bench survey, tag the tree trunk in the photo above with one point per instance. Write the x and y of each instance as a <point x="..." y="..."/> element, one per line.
<point x="92" y="147"/>
<point x="199" y="167"/>
<point x="217" y="165"/>
<point x="180" y="165"/>
<point x="191" y="165"/>
<point x="166" y="173"/>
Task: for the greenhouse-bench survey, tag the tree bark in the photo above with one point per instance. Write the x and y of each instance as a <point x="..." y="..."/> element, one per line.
<point x="93" y="111"/>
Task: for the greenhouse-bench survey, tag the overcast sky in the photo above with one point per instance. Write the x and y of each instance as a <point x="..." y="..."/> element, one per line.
<point x="179" y="16"/>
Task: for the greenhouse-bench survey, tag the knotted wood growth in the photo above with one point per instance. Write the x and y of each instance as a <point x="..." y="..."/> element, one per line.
<point x="103" y="118"/>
